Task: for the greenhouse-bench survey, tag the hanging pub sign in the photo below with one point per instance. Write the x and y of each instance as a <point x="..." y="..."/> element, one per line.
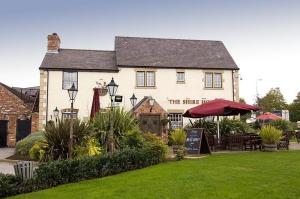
<point x="196" y="141"/>
<point x="118" y="98"/>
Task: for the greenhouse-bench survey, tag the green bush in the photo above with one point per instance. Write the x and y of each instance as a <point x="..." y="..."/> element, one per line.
<point x="123" y="122"/>
<point x="37" y="151"/>
<point x="209" y="126"/>
<point x="57" y="136"/>
<point x="9" y="185"/>
<point x="270" y="135"/>
<point x="180" y="152"/>
<point x="178" y="137"/>
<point x="133" y="138"/>
<point x="23" y="146"/>
<point x="226" y="126"/>
<point x="282" y="125"/>
<point x="90" y="147"/>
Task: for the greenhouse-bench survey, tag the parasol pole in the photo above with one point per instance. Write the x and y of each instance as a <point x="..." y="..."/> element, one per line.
<point x="218" y="128"/>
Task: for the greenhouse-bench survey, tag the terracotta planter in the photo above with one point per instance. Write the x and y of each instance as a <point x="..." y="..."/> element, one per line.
<point x="270" y="147"/>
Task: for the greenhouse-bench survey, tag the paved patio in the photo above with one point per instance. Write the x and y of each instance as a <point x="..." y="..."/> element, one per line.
<point x="6" y="166"/>
<point x="6" y="152"/>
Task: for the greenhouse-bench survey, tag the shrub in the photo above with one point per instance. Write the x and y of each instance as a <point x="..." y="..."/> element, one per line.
<point x="270" y="135"/>
<point x="180" y="152"/>
<point x="57" y="137"/>
<point x="133" y="138"/>
<point x="209" y="126"/>
<point x="8" y="185"/>
<point x="122" y="120"/>
<point x="226" y="126"/>
<point x="178" y="137"/>
<point x="282" y="125"/>
<point x="37" y="151"/>
<point x="24" y="145"/>
<point x="90" y="147"/>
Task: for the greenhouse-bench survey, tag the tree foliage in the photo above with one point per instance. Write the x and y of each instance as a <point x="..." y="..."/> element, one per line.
<point x="273" y="100"/>
<point x="294" y="109"/>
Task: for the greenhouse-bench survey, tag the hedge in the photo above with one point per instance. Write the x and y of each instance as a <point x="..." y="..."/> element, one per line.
<point x="54" y="173"/>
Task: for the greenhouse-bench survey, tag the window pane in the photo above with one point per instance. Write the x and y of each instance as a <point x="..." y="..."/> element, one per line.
<point x="140" y="79"/>
<point x="208" y="80"/>
<point x="180" y="77"/>
<point x="69" y="78"/>
<point x="218" y="80"/>
<point x="150" y="79"/>
<point x="175" y="120"/>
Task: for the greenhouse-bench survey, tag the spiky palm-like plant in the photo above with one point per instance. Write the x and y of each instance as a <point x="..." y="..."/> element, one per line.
<point x="122" y="120"/>
<point x="57" y="137"/>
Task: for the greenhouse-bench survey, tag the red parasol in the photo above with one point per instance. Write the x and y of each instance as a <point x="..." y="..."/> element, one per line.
<point x="96" y="103"/>
<point x="219" y="107"/>
<point x="268" y="116"/>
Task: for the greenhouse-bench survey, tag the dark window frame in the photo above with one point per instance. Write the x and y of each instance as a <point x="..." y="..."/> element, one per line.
<point x="63" y="77"/>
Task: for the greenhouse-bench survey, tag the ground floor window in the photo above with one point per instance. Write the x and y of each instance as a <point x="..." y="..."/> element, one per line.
<point x="175" y="120"/>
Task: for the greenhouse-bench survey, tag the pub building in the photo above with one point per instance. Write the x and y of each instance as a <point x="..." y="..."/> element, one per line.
<point x="167" y="76"/>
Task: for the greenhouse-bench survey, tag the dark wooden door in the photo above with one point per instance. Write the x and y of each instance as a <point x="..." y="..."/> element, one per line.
<point x="150" y="123"/>
<point x="23" y="128"/>
<point x="3" y="132"/>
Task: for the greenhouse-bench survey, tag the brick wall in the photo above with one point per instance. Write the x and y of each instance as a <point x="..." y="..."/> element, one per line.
<point x="12" y="108"/>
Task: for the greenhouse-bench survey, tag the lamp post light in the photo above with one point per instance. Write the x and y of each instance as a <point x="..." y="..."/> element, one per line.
<point x="151" y="103"/>
<point x="133" y="100"/>
<point x="72" y="95"/>
<point x="112" y="88"/>
<point x="56" y="114"/>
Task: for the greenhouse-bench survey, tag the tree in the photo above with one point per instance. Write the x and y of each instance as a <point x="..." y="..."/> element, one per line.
<point x="273" y="100"/>
<point x="294" y="109"/>
<point x="242" y="100"/>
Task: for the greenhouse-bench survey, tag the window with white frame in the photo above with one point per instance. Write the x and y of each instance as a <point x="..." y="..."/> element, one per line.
<point x="175" y="120"/>
<point x="180" y="76"/>
<point x="213" y="80"/>
<point x="70" y="77"/>
<point x="145" y="79"/>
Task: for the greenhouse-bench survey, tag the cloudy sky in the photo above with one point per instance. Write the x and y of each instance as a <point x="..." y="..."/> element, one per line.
<point x="263" y="36"/>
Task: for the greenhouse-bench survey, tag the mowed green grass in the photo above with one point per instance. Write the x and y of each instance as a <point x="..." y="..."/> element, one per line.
<point x="223" y="176"/>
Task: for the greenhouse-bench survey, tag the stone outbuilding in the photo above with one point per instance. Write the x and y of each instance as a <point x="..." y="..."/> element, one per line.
<point x="152" y="117"/>
<point x="18" y="113"/>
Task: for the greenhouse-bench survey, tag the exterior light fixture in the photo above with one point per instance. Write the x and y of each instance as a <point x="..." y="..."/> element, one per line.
<point x="112" y="87"/>
<point x="56" y="113"/>
<point x="133" y="100"/>
<point x="72" y="94"/>
<point x="151" y="103"/>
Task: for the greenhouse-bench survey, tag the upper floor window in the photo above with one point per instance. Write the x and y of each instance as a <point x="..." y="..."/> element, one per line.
<point x="180" y="76"/>
<point x="145" y="79"/>
<point x="70" y="77"/>
<point x="213" y="80"/>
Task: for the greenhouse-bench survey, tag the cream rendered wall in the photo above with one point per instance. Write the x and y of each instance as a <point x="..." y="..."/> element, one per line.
<point x="166" y="89"/>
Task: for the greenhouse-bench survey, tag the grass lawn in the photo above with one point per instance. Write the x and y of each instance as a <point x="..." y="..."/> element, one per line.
<point x="223" y="176"/>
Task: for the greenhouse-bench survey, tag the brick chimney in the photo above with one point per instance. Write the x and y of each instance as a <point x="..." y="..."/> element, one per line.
<point x="53" y="43"/>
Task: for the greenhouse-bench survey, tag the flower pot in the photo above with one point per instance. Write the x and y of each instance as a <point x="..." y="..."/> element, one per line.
<point x="270" y="147"/>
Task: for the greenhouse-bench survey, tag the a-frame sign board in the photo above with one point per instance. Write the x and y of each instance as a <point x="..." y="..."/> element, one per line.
<point x="196" y="141"/>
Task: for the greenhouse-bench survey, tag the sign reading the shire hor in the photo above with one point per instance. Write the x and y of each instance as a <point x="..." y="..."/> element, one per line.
<point x="196" y="142"/>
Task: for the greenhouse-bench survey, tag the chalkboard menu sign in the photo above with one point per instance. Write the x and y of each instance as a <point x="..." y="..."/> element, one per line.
<point x="196" y="141"/>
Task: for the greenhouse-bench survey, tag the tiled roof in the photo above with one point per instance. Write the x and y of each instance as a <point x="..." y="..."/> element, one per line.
<point x="80" y="60"/>
<point x="144" y="52"/>
<point x="172" y="53"/>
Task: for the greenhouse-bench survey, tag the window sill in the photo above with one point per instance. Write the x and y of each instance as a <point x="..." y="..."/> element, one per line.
<point x="213" y="88"/>
<point x="145" y="87"/>
<point x="180" y="82"/>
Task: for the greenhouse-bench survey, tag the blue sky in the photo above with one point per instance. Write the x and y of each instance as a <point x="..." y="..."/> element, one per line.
<point x="262" y="36"/>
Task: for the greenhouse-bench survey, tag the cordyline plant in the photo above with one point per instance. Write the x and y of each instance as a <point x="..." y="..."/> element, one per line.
<point x="123" y="122"/>
<point x="57" y="137"/>
<point x="270" y="135"/>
